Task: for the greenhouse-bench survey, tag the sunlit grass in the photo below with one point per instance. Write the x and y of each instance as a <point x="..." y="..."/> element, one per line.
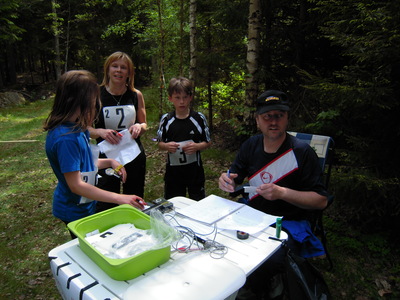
<point x="28" y="229"/>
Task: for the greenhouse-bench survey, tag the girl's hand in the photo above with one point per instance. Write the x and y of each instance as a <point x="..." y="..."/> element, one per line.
<point x="133" y="200"/>
<point x="119" y="169"/>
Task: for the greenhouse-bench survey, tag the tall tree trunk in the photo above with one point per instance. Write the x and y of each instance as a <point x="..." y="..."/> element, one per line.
<point x="43" y="66"/>
<point x="299" y="37"/>
<point x="181" y="33"/>
<point x="56" y="38"/>
<point x="193" y="42"/>
<point x="209" y="76"/>
<point x="11" y="64"/>
<point x="253" y="50"/>
<point x="67" y="38"/>
<point x="1" y="73"/>
<point x="162" y="56"/>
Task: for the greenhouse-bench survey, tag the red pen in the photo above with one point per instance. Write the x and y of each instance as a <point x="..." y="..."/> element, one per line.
<point x="117" y="133"/>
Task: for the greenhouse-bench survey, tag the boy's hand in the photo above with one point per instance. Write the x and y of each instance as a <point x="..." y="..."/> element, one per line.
<point x="190" y="148"/>
<point x="172" y="147"/>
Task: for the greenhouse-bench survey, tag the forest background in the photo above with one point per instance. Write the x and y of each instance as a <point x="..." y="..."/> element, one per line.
<point x="339" y="61"/>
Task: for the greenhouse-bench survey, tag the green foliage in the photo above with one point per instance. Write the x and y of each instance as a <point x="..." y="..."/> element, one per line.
<point x="374" y="203"/>
<point x="376" y="245"/>
<point x="358" y="105"/>
<point x="221" y="35"/>
<point x="10" y="31"/>
<point x="362" y="260"/>
<point x="365" y="87"/>
<point x="343" y="236"/>
<point x="325" y="122"/>
<point x="227" y="101"/>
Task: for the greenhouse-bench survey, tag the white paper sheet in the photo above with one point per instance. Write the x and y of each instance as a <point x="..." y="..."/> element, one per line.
<point x="197" y="227"/>
<point x="250" y="189"/>
<point x="247" y="219"/>
<point x="210" y="209"/>
<point x="226" y="214"/>
<point x="124" y="152"/>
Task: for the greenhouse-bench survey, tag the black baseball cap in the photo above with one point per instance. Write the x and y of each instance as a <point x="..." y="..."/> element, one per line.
<point x="272" y="100"/>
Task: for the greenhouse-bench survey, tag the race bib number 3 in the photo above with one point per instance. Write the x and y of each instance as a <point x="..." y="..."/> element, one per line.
<point x="180" y="158"/>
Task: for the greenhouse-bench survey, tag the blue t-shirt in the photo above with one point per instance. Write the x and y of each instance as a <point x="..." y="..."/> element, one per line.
<point x="69" y="151"/>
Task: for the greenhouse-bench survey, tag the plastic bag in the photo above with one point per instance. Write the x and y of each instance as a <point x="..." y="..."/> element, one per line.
<point x="122" y="241"/>
<point x="125" y="240"/>
<point x="162" y="231"/>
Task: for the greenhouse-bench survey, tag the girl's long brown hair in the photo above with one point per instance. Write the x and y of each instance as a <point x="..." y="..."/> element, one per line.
<point x="77" y="91"/>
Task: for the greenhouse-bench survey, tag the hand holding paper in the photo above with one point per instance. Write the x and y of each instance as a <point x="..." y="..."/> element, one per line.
<point x="250" y="189"/>
<point x="124" y="152"/>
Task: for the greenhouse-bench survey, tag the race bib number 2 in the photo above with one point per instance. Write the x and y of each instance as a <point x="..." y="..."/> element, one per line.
<point x="119" y="117"/>
<point x="88" y="177"/>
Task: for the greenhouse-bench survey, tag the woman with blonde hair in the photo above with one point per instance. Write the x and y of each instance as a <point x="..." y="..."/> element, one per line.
<point x="123" y="107"/>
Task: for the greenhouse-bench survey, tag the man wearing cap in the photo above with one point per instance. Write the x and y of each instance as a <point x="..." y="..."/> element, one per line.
<point x="286" y="176"/>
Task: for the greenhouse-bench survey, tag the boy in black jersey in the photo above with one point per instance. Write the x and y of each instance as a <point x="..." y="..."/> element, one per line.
<point x="183" y="133"/>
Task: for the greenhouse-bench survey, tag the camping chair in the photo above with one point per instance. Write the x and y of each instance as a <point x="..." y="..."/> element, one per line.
<point x="324" y="147"/>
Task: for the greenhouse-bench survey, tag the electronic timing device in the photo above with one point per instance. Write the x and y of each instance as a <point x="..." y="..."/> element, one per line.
<point x="161" y="204"/>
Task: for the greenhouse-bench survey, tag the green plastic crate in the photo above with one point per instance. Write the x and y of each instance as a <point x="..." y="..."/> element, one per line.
<point x="119" y="269"/>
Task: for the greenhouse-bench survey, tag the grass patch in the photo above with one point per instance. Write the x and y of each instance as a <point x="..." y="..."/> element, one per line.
<point x="28" y="229"/>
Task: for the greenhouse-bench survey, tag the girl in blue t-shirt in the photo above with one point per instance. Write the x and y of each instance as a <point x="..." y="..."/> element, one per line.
<point x="71" y="156"/>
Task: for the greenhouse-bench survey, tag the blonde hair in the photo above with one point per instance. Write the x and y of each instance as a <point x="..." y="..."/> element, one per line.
<point x="131" y="69"/>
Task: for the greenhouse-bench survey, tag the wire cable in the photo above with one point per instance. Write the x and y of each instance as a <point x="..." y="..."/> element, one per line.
<point x="193" y="241"/>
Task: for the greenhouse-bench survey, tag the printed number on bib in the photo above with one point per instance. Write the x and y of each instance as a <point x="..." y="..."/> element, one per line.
<point x="180" y="158"/>
<point x="88" y="177"/>
<point x="119" y="117"/>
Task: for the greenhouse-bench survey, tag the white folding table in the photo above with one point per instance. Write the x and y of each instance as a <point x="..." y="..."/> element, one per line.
<point x="193" y="275"/>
